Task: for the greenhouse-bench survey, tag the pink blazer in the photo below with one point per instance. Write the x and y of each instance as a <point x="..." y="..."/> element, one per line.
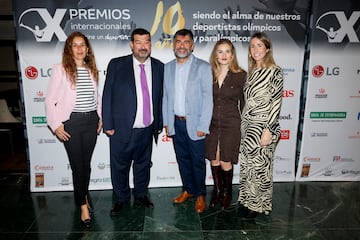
<point x="61" y="97"/>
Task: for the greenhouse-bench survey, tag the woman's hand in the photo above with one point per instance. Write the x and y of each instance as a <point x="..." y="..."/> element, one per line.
<point x="266" y="137"/>
<point x="62" y="134"/>
<point x="99" y="126"/>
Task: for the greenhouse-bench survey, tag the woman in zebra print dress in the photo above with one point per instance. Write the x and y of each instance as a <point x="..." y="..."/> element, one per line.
<point x="260" y="129"/>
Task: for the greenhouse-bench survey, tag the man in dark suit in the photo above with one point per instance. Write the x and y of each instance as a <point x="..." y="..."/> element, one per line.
<point x="131" y="111"/>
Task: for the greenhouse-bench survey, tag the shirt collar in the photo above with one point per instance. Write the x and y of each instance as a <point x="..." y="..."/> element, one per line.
<point x="136" y="62"/>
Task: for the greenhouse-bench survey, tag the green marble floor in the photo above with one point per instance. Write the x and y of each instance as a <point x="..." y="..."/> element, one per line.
<point x="312" y="210"/>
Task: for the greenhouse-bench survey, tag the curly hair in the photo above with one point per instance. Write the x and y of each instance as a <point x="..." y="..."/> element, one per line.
<point x="215" y="66"/>
<point x="69" y="62"/>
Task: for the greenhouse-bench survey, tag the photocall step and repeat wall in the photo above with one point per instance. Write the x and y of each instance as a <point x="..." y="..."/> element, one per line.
<point x="331" y="133"/>
<point x="330" y="148"/>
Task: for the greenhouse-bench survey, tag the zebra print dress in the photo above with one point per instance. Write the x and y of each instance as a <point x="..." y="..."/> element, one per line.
<point x="263" y="96"/>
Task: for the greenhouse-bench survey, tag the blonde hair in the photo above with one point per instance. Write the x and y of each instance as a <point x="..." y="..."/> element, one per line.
<point x="215" y="66"/>
<point x="268" y="59"/>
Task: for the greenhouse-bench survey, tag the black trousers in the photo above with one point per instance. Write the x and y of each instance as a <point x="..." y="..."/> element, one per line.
<point x="82" y="128"/>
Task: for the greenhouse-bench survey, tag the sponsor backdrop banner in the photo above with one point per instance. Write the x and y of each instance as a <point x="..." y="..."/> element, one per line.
<point x="331" y="133"/>
<point x="42" y="28"/>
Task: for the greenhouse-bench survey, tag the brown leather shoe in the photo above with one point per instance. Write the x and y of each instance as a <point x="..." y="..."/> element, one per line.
<point x="182" y="197"/>
<point x="200" y="204"/>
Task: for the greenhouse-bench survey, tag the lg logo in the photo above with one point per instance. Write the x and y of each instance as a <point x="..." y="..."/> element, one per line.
<point x="52" y="24"/>
<point x="31" y="72"/>
<point x="319" y="71"/>
<point x="346" y="26"/>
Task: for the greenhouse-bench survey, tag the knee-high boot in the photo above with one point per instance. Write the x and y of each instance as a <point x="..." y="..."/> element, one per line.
<point x="227" y="193"/>
<point x="218" y="183"/>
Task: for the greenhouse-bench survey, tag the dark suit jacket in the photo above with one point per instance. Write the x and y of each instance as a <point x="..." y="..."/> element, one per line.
<point x="119" y="101"/>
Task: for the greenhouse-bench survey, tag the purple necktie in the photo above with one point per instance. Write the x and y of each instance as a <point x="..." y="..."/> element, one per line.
<point x="146" y="96"/>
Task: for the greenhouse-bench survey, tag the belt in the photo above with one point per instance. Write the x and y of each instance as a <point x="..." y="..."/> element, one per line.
<point x="180" y="118"/>
<point x="83" y="113"/>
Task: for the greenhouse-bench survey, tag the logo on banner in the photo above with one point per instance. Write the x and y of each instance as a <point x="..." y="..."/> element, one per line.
<point x="283" y="172"/>
<point x="278" y="158"/>
<point x="319" y="134"/>
<point x="31" y="72"/>
<point x="43" y="32"/>
<point x="100" y="180"/>
<point x="342" y="159"/>
<point x="311" y="159"/>
<point x="285" y="135"/>
<point x="65" y="181"/>
<point x="356" y="135"/>
<point x="286" y="71"/>
<point x="165" y="178"/>
<point x="287" y="93"/>
<point x="45" y="141"/>
<point x="39" y="180"/>
<point x="327" y="116"/>
<point x="102" y="165"/>
<point x="39" y="97"/>
<point x="350" y="172"/>
<point x="328" y="172"/>
<point x="43" y="168"/>
<point x="321" y="93"/>
<point x="305" y="170"/>
<point x="39" y="120"/>
<point x="357" y="95"/>
<point x="319" y="71"/>
<point x="285" y="117"/>
<point x="346" y="26"/>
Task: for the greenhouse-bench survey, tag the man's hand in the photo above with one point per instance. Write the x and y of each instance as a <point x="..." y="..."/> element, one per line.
<point x="110" y="132"/>
<point x="200" y="133"/>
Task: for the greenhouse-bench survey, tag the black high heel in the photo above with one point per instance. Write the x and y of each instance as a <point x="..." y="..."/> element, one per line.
<point x="86" y="223"/>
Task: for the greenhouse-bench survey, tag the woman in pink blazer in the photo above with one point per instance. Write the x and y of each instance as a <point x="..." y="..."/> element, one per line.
<point x="73" y="108"/>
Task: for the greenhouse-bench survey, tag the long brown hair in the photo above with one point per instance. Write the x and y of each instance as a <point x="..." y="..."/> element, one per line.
<point x="215" y="66"/>
<point x="69" y="62"/>
<point x="268" y="59"/>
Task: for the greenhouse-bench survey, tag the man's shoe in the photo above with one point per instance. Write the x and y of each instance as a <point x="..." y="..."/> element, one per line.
<point x="117" y="208"/>
<point x="182" y="197"/>
<point x="145" y="201"/>
<point x="200" y="204"/>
